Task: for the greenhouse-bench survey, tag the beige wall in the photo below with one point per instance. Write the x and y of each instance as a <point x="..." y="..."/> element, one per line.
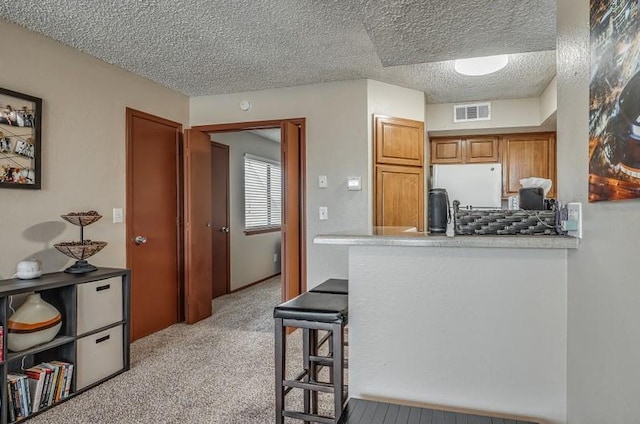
<point x="337" y="146"/>
<point x="83" y="146"/>
<point x="549" y="100"/>
<point x="514" y="115"/>
<point x="603" y="283"/>
<point x="338" y="117"/>
<point x="251" y="256"/>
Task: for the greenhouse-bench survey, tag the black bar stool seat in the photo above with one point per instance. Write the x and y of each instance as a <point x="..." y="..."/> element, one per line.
<point x="332" y="285"/>
<point x="312" y="312"/>
<point x="312" y="306"/>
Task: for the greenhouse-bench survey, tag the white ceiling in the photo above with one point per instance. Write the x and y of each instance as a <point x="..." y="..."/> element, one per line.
<point x="203" y="47"/>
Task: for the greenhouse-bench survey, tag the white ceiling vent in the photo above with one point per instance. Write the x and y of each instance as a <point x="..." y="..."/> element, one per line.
<point x="472" y="112"/>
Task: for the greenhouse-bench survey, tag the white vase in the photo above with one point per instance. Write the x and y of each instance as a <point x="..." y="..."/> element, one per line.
<point x="34" y="323"/>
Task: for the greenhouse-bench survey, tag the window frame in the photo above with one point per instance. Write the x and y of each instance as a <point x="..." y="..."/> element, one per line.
<point x="269" y="228"/>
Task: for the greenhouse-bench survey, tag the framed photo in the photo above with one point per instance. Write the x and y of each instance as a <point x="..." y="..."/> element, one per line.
<point x="20" y="144"/>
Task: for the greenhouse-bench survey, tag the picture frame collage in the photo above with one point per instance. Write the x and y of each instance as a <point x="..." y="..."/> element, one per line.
<point x="20" y="140"/>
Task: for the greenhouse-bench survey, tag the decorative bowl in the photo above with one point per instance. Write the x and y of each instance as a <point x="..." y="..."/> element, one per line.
<point x="80" y="250"/>
<point x="82" y="218"/>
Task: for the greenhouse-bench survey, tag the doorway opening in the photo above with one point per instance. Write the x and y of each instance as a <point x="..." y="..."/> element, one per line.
<point x="246" y="208"/>
<point x="289" y="251"/>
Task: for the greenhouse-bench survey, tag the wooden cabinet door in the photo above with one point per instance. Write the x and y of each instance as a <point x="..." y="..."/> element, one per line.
<point x="481" y="149"/>
<point x="399" y="196"/>
<point x="448" y="150"/>
<point x="528" y="155"/>
<point x="398" y="141"/>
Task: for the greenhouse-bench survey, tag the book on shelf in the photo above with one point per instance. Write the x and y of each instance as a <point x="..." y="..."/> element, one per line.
<point x="11" y="395"/>
<point x="1" y="344"/>
<point x="67" y="389"/>
<point x="17" y="388"/>
<point x="53" y="383"/>
<point x="26" y="399"/>
<point x="37" y="377"/>
<point x="45" y="388"/>
<point x="39" y="387"/>
<point x="64" y="381"/>
<point x="10" y="410"/>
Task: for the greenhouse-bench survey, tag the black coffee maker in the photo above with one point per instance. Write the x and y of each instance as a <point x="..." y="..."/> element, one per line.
<point x="439" y="214"/>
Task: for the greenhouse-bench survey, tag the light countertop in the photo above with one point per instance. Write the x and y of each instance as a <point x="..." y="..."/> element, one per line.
<point x="407" y="236"/>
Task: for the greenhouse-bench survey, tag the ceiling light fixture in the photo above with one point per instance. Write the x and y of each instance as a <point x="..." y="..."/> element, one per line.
<point x="477" y="66"/>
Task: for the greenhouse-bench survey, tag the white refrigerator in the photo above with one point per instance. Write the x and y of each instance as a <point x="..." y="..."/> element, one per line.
<point x="475" y="185"/>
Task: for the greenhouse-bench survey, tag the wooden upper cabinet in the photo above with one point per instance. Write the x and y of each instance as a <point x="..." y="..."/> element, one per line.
<point x="479" y="149"/>
<point x="447" y="150"/>
<point x="398" y="141"/>
<point x="482" y="149"/>
<point x="528" y="155"/>
<point x="399" y="196"/>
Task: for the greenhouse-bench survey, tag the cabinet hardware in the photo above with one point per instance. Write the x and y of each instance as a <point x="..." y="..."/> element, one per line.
<point x="103" y="339"/>
<point x="105" y="287"/>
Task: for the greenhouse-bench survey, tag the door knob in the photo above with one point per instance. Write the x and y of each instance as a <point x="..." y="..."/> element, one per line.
<point x="140" y="240"/>
<point x="224" y="229"/>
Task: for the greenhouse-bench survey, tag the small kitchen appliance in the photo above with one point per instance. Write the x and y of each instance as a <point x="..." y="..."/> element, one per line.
<point x="439" y="214"/>
<point x="531" y="198"/>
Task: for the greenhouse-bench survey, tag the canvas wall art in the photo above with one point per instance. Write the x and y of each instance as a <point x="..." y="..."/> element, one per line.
<point x="614" y="110"/>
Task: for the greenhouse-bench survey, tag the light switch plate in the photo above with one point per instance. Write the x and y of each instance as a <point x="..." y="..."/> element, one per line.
<point x="322" y="181"/>
<point x="354" y="183"/>
<point x="118" y="215"/>
<point x="323" y="213"/>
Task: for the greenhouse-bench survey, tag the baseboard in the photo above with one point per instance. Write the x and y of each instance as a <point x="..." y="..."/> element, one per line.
<point x="254" y="283"/>
<point x="454" y="409"/>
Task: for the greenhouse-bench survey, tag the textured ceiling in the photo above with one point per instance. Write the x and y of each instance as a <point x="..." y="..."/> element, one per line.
<point x="417" y="31"/>
<point x="203" y="47"/>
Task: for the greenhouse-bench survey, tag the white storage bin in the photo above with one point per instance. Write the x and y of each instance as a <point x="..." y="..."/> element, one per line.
<point x="99" y="304"/>
<point x="99" y="356"/>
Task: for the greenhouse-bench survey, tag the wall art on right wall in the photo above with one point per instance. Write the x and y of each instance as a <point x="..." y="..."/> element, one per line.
<point x="614" y="108"/>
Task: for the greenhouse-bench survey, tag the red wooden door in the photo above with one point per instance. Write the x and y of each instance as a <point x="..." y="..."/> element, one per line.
<point x="198" y="225"/>
<point x="152" y="216"/>
<point x="220" y="211"/>
<point x="291" y="229"/>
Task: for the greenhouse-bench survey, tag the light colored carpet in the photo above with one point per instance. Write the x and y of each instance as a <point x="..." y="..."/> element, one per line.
<point x="219" y="370"/>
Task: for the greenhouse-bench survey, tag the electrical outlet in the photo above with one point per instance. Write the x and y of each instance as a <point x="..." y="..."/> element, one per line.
<point x="322" y="181"/>
<point x="571" y="218"/>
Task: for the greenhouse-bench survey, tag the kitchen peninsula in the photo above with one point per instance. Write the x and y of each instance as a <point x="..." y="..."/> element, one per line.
<point x="475" y="322"/>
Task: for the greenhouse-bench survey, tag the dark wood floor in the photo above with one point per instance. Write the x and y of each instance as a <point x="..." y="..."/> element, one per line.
<point x="360" y="411"/>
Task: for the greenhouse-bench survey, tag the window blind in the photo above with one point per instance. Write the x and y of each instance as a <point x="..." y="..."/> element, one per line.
<point x="262" y="193"/>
